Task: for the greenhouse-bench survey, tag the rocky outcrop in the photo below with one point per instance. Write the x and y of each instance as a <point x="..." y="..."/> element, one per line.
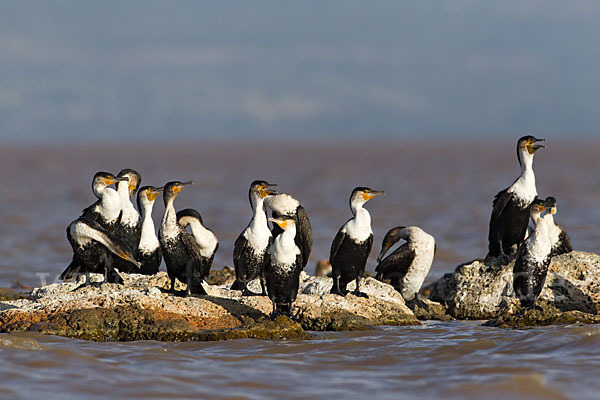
<point x="142" y="309"/>
<point x="482" y="291"/>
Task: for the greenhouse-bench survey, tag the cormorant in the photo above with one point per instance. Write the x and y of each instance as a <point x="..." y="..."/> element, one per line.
<point x="250" y="249"/>
<point x="284" y="204"/>
<point x="561" y="242"/>
<point x="149" y="253"/>
<point x="533" y="257"/>
<point x="129" y="228"/>
<point x="93" y="248"/>
<point x="408" y="266"/>
<point x="352" y="244"/>
<point x="107" y="209"/>
<point x="180" y="263"/>
<point x="201" y="245"/>
<point x="282" y="272"/>
<point x="510" y="213"/>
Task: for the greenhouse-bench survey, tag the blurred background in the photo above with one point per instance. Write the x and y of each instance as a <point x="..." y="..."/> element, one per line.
<point x="424" y="100"/>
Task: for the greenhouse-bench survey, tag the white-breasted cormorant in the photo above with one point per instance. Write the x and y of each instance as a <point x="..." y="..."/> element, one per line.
<point x="250" y="249"/>
<point x="282" y="272"/>
<point x="180" y="263"/>
<point x="149" y="253"/>
<point x="533" y="257"/>
<point x="129" y="228"/>
<point x="510" y="213"/>
<point x="352" y="244"/>
<point x="93" y="249"/>
<point x="284" y="204"/>
<point x="408" y="266"/>
<point x="201" y="244"/>
<point x="107" y="209"/>
<point x="561" y="242"/>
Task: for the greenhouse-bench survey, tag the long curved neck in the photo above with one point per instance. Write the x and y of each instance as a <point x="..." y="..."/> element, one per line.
<point x="259" y="219"/>
<point x="361" y="215"/>
<point x="526" y="161"/>
<point x="286" y="239"/>
<point x="110" y="206"/>
<point x="148" y="237"/>
<point x="170" y="216"/>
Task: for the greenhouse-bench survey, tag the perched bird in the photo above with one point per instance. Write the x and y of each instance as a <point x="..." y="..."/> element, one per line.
<point x="129" y="227"/>
<point x="408" y="266"/>
<point x="284" y="204"/>
<point x="93" y="248"/>
<point x="180" y="263"/>
<point x="282" y="272"/>
<point x="250" y="249"/>
<point x="352" y="244"/>
<point x="533" y="257"/>
<point x="561" y="242"/>
<point x="107" y="209"/>
<point x="510" y="213"/>
<point x="201" y="245"/>
<point x="149" y="253"/>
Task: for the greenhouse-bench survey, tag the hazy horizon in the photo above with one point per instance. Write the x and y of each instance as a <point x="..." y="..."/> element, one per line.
<point x="150" y="70"/>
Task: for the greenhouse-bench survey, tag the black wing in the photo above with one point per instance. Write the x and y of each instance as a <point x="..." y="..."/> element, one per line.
<point x="501" y="199"/>
<point x="238" y="248"/>
<point x="396" y="264"/>
<point x="190" y="244"/>
<point x="305" y="232"/>
<point x="337" y="242"/>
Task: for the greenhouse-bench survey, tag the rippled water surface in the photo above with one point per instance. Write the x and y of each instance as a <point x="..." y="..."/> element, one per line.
<point x="446" y="188"/>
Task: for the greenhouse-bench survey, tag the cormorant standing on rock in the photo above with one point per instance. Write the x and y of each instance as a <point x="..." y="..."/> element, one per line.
<point x="129" y="227"/>
<point x="180" y="263"/>
<point x="201" y="245"/>
<point x="408" y="266"/>
<point x="284" y="204"/>
<point x="352" y="244"/>
<point x="282" y="272"/>
<point x="510" y="213"/>
<point x="533" y="257"/>
<point x="93" y="248"/>
<point x="149" y="253"/>
<point x="561" y="242"/>
<point x="251" y="247"/>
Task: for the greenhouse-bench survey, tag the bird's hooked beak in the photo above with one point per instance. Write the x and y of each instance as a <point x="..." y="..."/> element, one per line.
<point x="180" y="187"/>
<point x="129" y="257"/>
<point x="281" y="222"/>
<point x="115" y="179"/>
<point x="152" y="194"/>
<point x="532" y="147"/>
<point x="384" y="249"/>
<point x="265" y="191"/>
<point x="368" y="195"/>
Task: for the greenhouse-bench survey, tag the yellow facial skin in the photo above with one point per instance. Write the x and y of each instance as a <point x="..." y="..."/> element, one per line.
<point x="131" y="188"/>
<point x="281" y="222"/>
<point x="151" y="195"/>
<point x="369" y="195"/>
<point x="553" y="210"/>
<point x="109" y="181"/>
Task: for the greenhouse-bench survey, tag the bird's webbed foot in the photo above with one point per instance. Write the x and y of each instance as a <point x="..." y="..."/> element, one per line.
<point x="358" y="293"/>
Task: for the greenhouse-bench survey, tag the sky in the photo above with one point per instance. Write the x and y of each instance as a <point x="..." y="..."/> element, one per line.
<point x="313" y="69"/>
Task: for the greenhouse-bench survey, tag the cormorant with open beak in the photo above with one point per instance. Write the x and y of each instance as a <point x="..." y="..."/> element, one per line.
<point x="180" y="263"/>
<point x="201" y="244"/>
<point x="250" y="249"/>
<point x="149" y="253"/>
<point x="282" y="272"/>
<point x="129" y="228"/>
<point x="93" y="249"/>
<point x="284" y="204"/>
<point x="408" y="266"/>
<point x="510" y="213"/>
<point x="352" y="244"/>
<point x="533" y="257"/>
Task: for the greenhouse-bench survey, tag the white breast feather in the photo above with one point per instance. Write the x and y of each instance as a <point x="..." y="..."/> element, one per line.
<point x="284" y="252"/>
<point x="204" y="238"/>
<point x="110" y="205"/>
<point x="148" y="241"/>
<point x="423" y="245"/>
<point x="257" y="233"/>
<point x="539" y="244"/>
<point x="359" y="227"/>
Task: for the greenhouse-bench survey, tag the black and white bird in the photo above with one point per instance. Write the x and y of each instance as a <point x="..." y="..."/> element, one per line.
<point x="201" y="244"/>
<point x="93" y="249"/>
<point x="561" y="242"/>
<point x="149" y="253"/>
<point x="250" y="249"/>
<point x="533" y="257"/>
<point x="352" y="244"/>
<point x="284" y="204"/>
<point x="407" y="266"/>
<point x="129" y="228"/>
<point x="510" y="213"/>
<point x="107" y="209"/>
<point x="282" y="272"/>
<point x="178" y="259"/>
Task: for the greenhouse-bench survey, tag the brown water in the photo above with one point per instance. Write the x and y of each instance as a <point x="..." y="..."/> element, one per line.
<point x="446" y="188"/>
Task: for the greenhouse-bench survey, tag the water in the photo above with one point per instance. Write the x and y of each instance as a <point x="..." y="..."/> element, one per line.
<point x="446" y="188"/>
